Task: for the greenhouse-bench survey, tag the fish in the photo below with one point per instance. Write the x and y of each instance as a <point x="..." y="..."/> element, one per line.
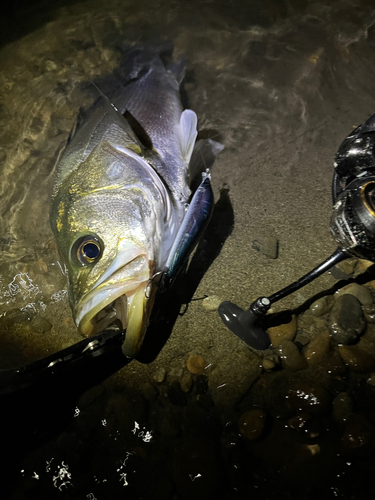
<point x="123" y="213"/>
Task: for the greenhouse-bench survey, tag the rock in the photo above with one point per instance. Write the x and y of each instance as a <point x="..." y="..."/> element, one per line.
<point x="342" y="407"/>
<point x="227" y="386"/>
<point x="175" y="395"/>
<point x="313" y="428"/>
<point x="186" y="382"/>
<point x="333" y="365"/>
<point x="371" y="379"/>
<point x="322" y="305"/>
<point x="369" y="312"/>
<point x="302" y="339"/>
<point x="298" y="422"/>
<point x="195" y="467"/>
<point x="318" y="349"/>
<point x="267" y="245"/>
<point x="270" y="360"/>
<point x="371" y="284"/>
<point x="290" y="356"/>
<point x="176" y="373"/>
<point x="195" y="364"/>
<point x="40" y="325"/>
<point x="362" y="293"/>
<point x="212" y="302"/>
<point x="251" y="423"/>
<point x="201" y="384"/>
<point x="308" y="397"/>
<point x="168" y="427"/>
<point x="268" y="364"/>
<point x="362" y="266"/>
<point x="346" y="322"/>
<point x="160" y="375"/>
<point x="359" y="436"/>
<point x="347" y="267"/>
<point x="356" y="358"/>
<point x="149" y="391"/>
<point x="16" y="316"/>
<point x="286" y="331"/>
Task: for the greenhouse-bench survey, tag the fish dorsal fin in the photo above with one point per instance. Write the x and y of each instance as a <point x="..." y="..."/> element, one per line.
<point x="117" y="117"/>
<point x="188" y="131"/>
<point x="139" y="131"/>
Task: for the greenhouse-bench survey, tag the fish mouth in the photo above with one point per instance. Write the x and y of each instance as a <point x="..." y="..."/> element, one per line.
<point x="119" y="306"/>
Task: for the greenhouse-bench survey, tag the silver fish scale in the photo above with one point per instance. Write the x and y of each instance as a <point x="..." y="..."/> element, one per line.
<point x="154" y="101"/>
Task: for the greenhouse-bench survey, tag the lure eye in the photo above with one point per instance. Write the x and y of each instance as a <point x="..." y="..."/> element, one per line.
<point x="87" y="250"/>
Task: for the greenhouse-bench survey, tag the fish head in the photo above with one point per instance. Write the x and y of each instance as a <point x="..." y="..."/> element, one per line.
<point x="105" y="244"/>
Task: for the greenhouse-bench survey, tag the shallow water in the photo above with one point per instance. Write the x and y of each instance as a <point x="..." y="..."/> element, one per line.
<point x="280" y="84"/>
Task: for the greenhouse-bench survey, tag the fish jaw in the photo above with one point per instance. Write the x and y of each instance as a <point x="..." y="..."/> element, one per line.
<point x="129" y="302"/>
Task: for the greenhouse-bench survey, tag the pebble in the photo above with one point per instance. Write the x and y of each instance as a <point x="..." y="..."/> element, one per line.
<point x="356" y="358"/>
<point x="149" y="391"/>
<point x="186" y="382"/>
<point x="40" y="325"/>
<point x="251" y="423"/>
<point x="167" y="427"/>
<point x="346" y="322"/>
<point x="318" y="349"/>
<point x="333" y="365"/>
<point x="347" y="266"/>
<point x="176" y="373"/>
<point x="308" y="397"/>
<point x="371" y="379"/>
<point x="268" y="364"/>
<point x="16" y="316"/>
<point x="212" y="302"/>
<point x="195" y="364"/>
<point x="201" y="384"/>
<point x="270" y="360"/>
<point x="342" y="407"/>
<point x="312" y="428"/>
<point x="362" y="293"/>
<point x="302" y="339"/>
<point x="286" y="331"/>
<point x="369" y="312"/>
<point x="268" y="246"/>
<point x="298" y="422"/>
<point x="359" y="436"/>
<point x="175" y="394"/>
<point x="290" y="356"/>
<point x="322" y="305"/>
<point x="160" y="375"/>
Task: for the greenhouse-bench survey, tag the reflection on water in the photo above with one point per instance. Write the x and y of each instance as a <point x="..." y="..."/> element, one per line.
<point x="280" y="84"/>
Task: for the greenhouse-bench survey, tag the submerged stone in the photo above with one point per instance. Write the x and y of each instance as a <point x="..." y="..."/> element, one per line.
<point x="359" y="436"/>
<point x="286" y="331"/>
<point x="362" y="293"/>
<point x="195" y="364"/>
<point x="346" y="322"/>
<point x="322" y="305"/>
<point x="290" y="356"/>
<point x="369" y="312"/>
<point x="342" y="407"/>
<point x="356" y="358"/>
<point x="251" y="423"/>
<point x="318" y="349"/>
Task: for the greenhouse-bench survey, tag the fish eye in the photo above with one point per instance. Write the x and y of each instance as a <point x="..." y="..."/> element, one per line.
<point x="87" y="250"/>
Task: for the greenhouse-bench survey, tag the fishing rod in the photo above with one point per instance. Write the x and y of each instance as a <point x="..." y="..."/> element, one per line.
<point x="352" y="226"/>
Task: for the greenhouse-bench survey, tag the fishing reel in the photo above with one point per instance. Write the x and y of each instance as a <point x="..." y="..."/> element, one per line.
<point x="352" y="226"/>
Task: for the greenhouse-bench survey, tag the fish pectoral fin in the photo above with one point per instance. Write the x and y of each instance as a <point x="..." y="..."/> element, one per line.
<point x="188" y="131"/>
<point x="137" y="322"/>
